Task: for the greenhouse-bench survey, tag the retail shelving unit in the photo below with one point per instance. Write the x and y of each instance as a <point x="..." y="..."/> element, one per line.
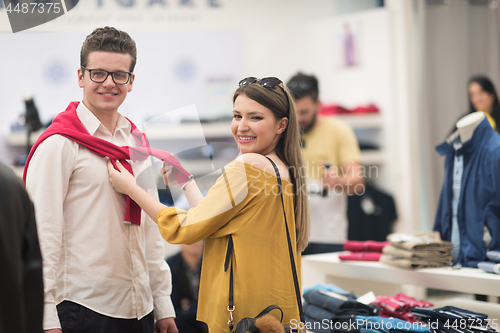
<point x="363" y="276"/>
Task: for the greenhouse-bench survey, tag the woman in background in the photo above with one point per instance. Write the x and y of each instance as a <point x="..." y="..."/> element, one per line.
<point x="483" y="97"/>
<point x="245" y="202"/>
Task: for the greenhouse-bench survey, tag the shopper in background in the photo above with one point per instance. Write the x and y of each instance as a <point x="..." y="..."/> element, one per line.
<point x="326" y="142"/>
<point x="100" y="273"/>
<point x="21" y="283"/>
<point x="245" y="202"/>
<point x="186" y="271"/>
<point x="483" y="97"/>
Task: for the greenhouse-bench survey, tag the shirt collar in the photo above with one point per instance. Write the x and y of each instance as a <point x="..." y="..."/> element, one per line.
<point x="481" y="133"/>
<point x="92" y="124"/>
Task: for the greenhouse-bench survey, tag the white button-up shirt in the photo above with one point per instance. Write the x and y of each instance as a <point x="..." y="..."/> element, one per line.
<point x="90" y="256"/>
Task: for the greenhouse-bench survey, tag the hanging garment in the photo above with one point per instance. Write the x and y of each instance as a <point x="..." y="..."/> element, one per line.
<point x="479" y="199"/>
<point x="370" y="215"/>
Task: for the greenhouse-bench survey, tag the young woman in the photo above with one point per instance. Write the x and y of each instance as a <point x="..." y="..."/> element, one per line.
<point x="245" y="202"/>
<point x="483" y="97"/>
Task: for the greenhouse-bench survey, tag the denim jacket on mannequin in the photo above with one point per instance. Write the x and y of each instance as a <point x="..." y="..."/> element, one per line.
<point x="479" y="203"/>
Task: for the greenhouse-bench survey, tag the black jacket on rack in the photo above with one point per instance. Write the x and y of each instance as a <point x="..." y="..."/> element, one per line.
<point x="370" y="215"/>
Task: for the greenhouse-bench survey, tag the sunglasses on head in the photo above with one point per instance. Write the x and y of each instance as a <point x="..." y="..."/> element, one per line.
<point x="267" y="82"/>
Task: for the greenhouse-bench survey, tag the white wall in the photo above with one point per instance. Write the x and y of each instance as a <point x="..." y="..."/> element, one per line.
<point x="236" y="38"/>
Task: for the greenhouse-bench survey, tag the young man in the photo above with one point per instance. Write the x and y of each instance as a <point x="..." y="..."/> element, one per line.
<point x="100" y="273"/>
<point x="326" y="142"/>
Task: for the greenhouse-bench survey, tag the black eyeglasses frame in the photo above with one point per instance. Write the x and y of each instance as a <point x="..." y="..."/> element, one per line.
<point x="108" y="73"/>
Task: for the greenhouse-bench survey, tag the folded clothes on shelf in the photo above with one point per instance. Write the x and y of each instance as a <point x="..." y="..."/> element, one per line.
<point x="389" y="325"/>
<point x="450" y="319"/>
<point x="333" y="288"/>
<point x="365" y="246"/>
<point x="419" y="250"/>
<point x="361" y="256"/>
<point x="490" y="267"/>
<point x="493" y="255"/>
<point x="409" y="263"/>
<point x="399" y="306"/>
<point x="316" y="326"/>
<point x="421" y="241"/>
<point x="439" y="257"/>
<point x="363" y="324"/>
<point x="338" y="304"/>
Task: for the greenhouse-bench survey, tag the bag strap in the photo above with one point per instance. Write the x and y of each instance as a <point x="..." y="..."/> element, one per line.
<point x="290" y="248"/>
<point x="269" y="309"/>
<point x="227" y="261"/>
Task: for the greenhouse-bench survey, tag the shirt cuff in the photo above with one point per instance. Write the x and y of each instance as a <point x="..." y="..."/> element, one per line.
<point x="163" y="307"/>
<point x="50" y="317"/>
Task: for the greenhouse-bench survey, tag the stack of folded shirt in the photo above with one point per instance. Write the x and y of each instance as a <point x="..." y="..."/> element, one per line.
<point x="418" y="250"/>
<point x="492" y="266"/>
<point x="450" y="319"/>
<point x="399" y="306"/>
<point x="363" y="250"/>
<point x="328" y="306"/>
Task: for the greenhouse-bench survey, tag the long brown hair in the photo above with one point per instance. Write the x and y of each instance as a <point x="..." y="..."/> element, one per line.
<point x="279" y="100"/>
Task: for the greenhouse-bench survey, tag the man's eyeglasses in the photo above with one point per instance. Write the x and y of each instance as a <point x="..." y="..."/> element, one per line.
<point x="100" y="75"/>
<point x="299" y="86"/>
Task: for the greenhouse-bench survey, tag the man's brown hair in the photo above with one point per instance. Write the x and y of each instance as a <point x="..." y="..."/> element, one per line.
<point x="108" y="39"/>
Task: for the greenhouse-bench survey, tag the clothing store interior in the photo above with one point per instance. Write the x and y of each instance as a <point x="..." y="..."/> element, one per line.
<point x="403" y="125"/>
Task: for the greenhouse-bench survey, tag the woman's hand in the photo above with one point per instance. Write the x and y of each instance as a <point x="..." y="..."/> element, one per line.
<point x="166" y="171"/>
<point x="122" y="180"/>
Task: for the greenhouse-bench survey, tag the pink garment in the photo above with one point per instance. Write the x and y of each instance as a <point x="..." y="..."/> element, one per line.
<point x="361" y="256"/>
<point x="399" y="306"/>
<point x="367" y="246"/>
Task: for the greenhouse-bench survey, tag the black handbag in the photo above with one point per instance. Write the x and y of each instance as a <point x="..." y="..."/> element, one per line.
<point x="248" y="324"/>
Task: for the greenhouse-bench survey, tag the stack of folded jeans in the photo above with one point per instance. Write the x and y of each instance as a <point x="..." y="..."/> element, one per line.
<point x="327" y="308"/>
<point x="399" y="306"/>
<point x="450" y="319"/>
<point x="418" y="250"/>
<point x="388" y="325"/>
<point x="363" y="250"/>
<point x="492" y="266"/>
<point x="367" y="324"/>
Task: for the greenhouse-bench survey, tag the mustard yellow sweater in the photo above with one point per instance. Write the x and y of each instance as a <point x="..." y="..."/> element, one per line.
<point x="244" y="202"/>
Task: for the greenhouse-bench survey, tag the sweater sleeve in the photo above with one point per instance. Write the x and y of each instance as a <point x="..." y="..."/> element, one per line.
<point x="217" y="214"/>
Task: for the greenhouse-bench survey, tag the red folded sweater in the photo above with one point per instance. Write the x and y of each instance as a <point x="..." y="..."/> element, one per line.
<point x="361" y="256"/>
<point x="367" y="246"/>
<point x="69" y="125"/>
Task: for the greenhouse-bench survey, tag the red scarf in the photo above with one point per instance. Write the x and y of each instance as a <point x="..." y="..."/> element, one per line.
<point x="69" y="125"/>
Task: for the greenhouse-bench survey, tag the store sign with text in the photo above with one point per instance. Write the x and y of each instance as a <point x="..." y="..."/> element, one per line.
<point x="26" y="14"/>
